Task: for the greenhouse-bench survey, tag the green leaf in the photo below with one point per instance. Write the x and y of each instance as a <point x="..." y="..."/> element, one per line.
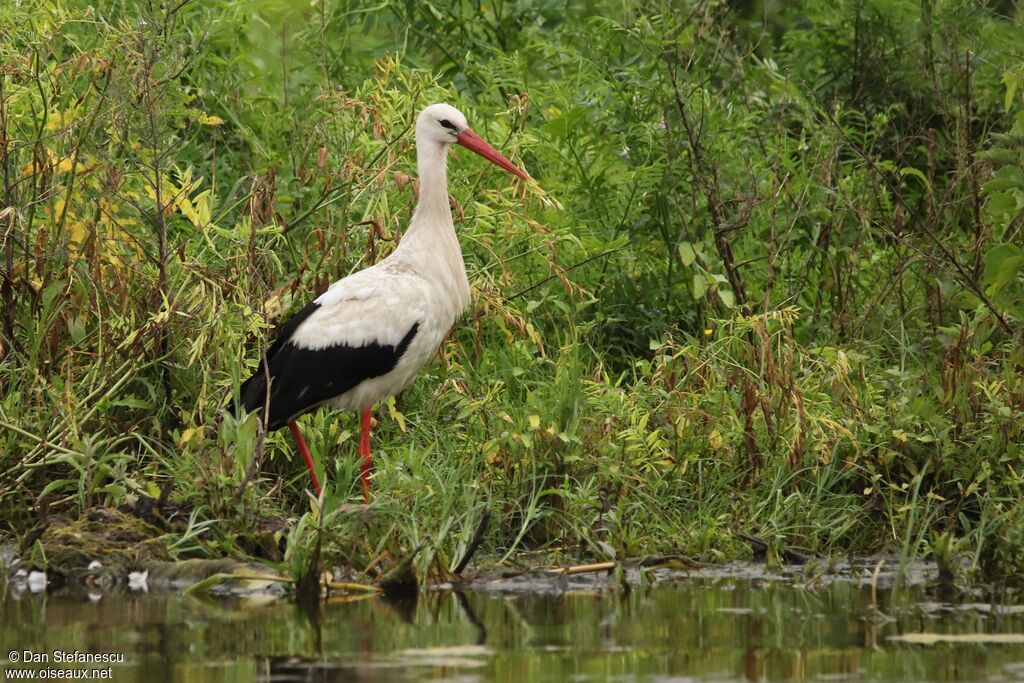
<point x="1002" y="203"/>
<point x="1011" y="81"/>
<point x="1002" y="264"/>
<point x="130" y="402"/>
<point x="686" y="254"/>
<point x="700" y="286"/>
<point x="57" y="485"/>
<point x="727" y="297"/>
<point x="1007" y="178"/>
<point x="911" y="171"/>
<point x="998" y="156"/>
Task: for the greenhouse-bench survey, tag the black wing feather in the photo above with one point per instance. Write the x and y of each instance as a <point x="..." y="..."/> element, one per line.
<point x="302" y="379"/>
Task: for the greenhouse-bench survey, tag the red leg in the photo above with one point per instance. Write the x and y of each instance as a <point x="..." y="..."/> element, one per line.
<point x="304" y="450"/>
<point x="364" y="452"/>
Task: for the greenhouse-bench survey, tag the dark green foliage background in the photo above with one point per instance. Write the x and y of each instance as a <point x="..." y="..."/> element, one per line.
<point x="775" y="285"/>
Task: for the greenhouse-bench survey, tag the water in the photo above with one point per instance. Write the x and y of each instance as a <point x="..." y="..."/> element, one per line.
<point x="724" y="628"/>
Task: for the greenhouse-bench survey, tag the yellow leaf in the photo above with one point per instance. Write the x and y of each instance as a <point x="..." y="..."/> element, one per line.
<point x="202" y="204"/>
<point x="31" y="167"/>
<point x="61" y="119"/>
<point x="715" y="440"/>
<point x="210" y="120"/>
<point x="77" y="233"/>
<point x="535" y="421"/>
<point x="185" y="206"/>
<point x="65" y="165"/>
<point x="395" y="414"/>
<point x="187" y="435"/>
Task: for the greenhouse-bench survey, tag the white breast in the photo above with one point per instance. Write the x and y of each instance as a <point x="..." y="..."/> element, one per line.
<point x="380" y="305"/>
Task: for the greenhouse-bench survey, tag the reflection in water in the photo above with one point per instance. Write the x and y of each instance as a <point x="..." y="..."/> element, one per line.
<point x="692" y="629"/>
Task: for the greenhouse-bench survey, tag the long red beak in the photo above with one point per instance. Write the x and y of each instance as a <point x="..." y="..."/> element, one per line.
<point x="474" y="142"/>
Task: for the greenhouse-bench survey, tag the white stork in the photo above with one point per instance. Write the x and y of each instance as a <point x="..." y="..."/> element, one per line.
<point x="368" y="335"/>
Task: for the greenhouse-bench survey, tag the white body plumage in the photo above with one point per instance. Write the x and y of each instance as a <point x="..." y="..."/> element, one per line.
<point x="379" y="306"/>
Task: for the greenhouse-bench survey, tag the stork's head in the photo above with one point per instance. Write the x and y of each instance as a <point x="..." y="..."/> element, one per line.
<point x="440" y="123"/>
<point x="444" y="124"/>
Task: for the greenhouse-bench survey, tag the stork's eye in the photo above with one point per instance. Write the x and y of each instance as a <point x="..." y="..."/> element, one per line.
<point x="447" y="124"/>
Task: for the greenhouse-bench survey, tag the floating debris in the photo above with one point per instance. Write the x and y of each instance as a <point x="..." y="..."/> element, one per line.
<point x="37" y="581"/>
<point x="138" y="581"/>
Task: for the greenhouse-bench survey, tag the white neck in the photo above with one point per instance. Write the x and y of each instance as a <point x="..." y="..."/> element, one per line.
<point x="430" y="244"/>
<point x="432" y="166"/>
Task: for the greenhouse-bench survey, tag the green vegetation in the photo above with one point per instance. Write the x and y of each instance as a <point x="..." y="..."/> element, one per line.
<point x="783" y="294"/>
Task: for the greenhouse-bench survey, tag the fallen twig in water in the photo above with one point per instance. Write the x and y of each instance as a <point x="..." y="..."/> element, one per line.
<point x="646" y="561"/>
<point x="352" y="587"/>
<point x="583" y="568"/>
